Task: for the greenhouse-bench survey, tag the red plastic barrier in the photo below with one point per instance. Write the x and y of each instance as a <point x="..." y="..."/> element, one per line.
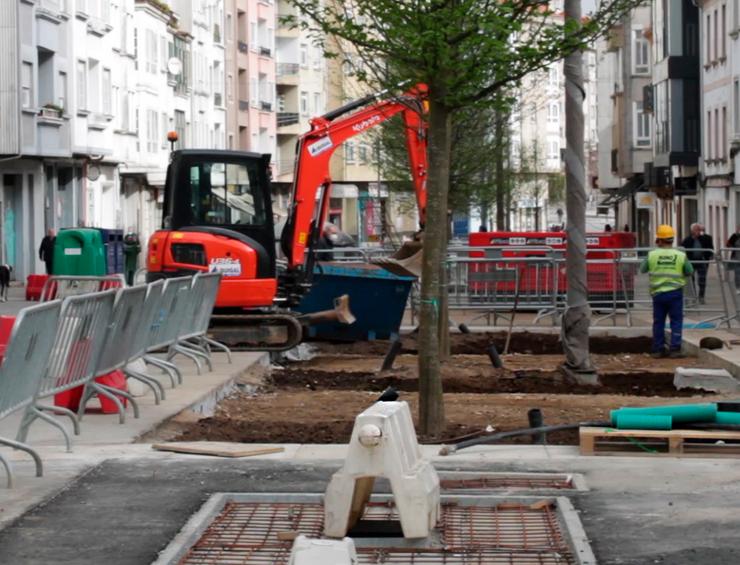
<point x="603" y="280"/>
<point x="71" y="398"/>
<point x="34" y="285"/>
<point x="6" y="327"/>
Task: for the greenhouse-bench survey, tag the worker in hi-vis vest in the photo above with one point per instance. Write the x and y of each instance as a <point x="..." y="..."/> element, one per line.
<point x="667" y="268"/>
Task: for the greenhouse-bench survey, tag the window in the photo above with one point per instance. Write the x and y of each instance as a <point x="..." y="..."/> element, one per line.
<point x="93" y="85"/>
<point x="708" y="46"/>
<point x="181" y="129"/>
<point x="349" y="152"/>
<point x="27" y="85"/>
<point x="165" y="127"/>
<point x="125" y="111"/>
<point x="552" y="76"/>
<point x="253" y="35"/>
<point x="81" y="85"/>
<point x="226" y="194"/>
<point x="163" y="53"/>
<point x="253" y="92"/>
<point x="62" y="90"/>
<point x="230" y="86"/>
<point x="724" y="133"/>
<point x="710" y="154"/>
<point x="642" y="126"/>
<point x="317" y="109"/>
<point x="152" y="131"/>
<point x="715" y="39"/>
<point x="553" y="149"/>
<point x="641" y="53"/>
<point x="724" y="31"/>
<point x="717" y="146"/>
<point x="107" y="88"/>
<point x="304" y="103"/>
<point x="152" y="63"/>
<point x="553" y="112"/>
<point x="363" y="153"/>
<point x="736" y="107"/>
<point x="304" y="55"/>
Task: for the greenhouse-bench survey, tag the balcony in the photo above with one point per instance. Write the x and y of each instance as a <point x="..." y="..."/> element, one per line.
<point x="243" y="105"/>
<point x="288" y="74"/>
<point x="288" y="123"/>
<point x="243" y="47"/>
<point x="287" y="118"/>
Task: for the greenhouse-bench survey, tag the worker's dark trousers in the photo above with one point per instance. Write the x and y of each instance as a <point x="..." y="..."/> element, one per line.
<point x="667" y="304"/>
<point x="48" y="267"/>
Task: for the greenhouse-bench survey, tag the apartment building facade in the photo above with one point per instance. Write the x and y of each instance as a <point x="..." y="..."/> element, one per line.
<point x="625" y="69"/>
<point x="88" y="91"/>
<point x="251" y="113"/>
<point x="719" y="201"/>
<point x="537" y="129"/>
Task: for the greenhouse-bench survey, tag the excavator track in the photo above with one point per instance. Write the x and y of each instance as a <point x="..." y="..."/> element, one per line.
<point x="257" y="332"/>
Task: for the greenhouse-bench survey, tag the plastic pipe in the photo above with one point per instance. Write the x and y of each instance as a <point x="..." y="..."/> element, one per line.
<point x="643" y="422"/>
<point x="681" y="413"/>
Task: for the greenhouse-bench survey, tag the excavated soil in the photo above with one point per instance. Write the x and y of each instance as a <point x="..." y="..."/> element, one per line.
<point x="477" y="343"/>
<point x="316" y="401"/>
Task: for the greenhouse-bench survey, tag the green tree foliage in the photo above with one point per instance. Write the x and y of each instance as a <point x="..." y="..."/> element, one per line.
<point x="467" y="52"/>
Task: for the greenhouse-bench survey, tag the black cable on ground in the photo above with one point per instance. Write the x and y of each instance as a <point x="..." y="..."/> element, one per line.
<point x="491" y="438"/>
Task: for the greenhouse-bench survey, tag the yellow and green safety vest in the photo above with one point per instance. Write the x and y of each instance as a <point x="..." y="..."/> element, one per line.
<point x="667" y="269"/>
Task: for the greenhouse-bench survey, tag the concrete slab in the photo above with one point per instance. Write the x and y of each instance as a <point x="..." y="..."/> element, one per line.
<point x="725" y="358"/>
<point x="715" y="380"/>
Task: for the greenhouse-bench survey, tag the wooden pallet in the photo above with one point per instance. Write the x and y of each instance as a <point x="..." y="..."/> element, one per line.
<point x="674" y="443"/>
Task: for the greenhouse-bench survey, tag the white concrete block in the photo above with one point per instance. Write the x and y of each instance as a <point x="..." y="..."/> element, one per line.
<point x="307" y="551"/>
<point x="383" y="444"/>
<point x="713" y="380"/>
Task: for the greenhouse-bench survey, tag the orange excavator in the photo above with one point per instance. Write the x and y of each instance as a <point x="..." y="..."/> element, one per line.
<point x="217" y="215"/>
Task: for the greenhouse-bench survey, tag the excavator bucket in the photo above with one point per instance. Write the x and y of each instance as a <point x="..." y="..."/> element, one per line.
<point x="406" y="262"/>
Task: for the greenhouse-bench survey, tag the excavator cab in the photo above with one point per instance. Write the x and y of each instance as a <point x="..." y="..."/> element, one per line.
<point x="217" y="216"/>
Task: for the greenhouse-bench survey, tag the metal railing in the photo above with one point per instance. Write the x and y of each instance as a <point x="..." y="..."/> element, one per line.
<point x="287" y="119"/>
<point x="287" y="69"/>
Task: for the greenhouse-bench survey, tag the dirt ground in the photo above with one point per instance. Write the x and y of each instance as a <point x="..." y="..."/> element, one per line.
<point x="316" y="401"/>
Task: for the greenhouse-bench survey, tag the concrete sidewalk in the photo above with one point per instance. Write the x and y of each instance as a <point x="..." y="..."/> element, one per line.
<point x="102" y="436"/>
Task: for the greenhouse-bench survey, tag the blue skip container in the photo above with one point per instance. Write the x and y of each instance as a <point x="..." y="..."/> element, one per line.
<point x="377" y="298"/>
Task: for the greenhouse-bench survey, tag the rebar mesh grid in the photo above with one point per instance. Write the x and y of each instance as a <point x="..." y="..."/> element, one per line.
<point x="509" y="481"/>
<point x="257" y="533"/>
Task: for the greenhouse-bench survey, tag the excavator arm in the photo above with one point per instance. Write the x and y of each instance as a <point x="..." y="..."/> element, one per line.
<point x="315" y="148"/>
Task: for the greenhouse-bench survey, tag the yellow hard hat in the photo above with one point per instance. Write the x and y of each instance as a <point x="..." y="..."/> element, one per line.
<point x="665" y="232"/>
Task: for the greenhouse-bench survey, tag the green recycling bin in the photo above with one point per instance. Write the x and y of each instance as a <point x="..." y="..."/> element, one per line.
<point x="79" y="252"/>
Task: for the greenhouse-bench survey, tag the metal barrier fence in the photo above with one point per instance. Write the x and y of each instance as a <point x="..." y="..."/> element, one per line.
<point x="488" y="284"/>
<point x="61" y="345"/>
<point x="24" y="365"/>
<point x="58" y="286"/>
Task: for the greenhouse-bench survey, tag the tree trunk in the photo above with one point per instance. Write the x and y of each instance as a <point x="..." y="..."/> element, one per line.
<point x="500" y="185"/>
<point x="577" y="316"/>
<point x="431" y="406"/>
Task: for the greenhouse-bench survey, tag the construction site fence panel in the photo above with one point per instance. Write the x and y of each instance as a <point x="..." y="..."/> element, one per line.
<point x="488" y="284"/>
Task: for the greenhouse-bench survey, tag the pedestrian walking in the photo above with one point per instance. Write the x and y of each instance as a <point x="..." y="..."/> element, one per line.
<point x="46" y="251"/>
<point x="699" y="250"/>
<point x="667" y="268"/>
<point x="734" y="265"/>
